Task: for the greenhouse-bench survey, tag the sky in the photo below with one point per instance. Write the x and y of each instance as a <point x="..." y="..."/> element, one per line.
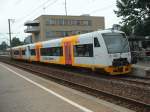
<point x="21" y="11"/>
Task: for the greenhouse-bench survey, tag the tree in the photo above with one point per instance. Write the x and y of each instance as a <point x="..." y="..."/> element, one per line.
<point x="3" y="46"/>
<point x="135" y="14"/>
<point x="127" y="29"/>
<point x="16" y="42"/>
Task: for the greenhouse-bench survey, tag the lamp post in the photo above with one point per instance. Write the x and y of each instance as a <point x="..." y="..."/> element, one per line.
<point x="9" y="20"/>
<point x="66" y="7"/>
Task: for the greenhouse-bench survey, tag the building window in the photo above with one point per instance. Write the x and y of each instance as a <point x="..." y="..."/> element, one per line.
<point x="87" y="22"/>
<point x="32" y="52"/>
<point x="85" y="50"/>
<point x="61" y="22"/>
<point x="52" y="51"/>
<point x="52" y="22"/>
<point x="48" y="21"/>
<point x="96" y="42"/>
<point x="48" y="34"/>
<point x="68" y="22"/>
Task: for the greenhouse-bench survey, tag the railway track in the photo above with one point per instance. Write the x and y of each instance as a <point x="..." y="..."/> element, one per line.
<point x="79" y="82"/>
<point x="136" y="80"/>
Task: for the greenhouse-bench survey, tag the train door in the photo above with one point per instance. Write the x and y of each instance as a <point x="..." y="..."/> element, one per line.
<point x="38" y="54"/>
<point x="28" y="52"/>
<point x="99" y="53"/>
<point x="68" y="57"/>
<point x="37" y="49"/>
<point x="20" y="53"/>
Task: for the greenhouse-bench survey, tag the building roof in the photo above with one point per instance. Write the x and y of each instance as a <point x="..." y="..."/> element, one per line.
<point x="35" y="22"/>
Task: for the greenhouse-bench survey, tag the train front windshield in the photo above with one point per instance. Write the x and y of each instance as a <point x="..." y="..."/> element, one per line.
<point x="116" y="42"/>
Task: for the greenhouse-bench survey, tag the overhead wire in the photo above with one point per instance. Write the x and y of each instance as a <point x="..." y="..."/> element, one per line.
<point x="20" y="20"/>
<point x="31" y="13"/>
<point x="101" y="9"/>
<point x="35" y="11"/>
<point x="51" y="3"/>
<point x="18" y="1"/>
<point x="46" y="4"/>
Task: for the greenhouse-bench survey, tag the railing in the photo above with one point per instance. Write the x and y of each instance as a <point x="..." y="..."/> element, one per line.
<point x="141" y="55"/>
<point x="31" y="29"/>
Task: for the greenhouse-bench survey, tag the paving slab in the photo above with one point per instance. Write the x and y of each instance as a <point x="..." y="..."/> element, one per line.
<point x="21" y="91"/>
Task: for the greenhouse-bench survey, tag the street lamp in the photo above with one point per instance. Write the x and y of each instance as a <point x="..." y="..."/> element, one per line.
<point x="10" y="20"/>
<point x="66" y="7"/>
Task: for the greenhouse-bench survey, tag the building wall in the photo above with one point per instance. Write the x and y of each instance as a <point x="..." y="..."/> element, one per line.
<point x="59" y="26"/>
<point x="28" y="40"/>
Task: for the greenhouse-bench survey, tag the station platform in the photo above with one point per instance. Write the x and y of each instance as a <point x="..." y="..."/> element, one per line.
<point x="141" y="69"/>
<point x="143" y="63"/>
<point x="21" y="91"/>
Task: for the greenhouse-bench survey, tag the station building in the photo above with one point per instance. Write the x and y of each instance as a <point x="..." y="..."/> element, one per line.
<point x="46" y="27"/>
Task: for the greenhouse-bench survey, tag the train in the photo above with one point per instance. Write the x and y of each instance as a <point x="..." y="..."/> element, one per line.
<point x="103" y="50"/>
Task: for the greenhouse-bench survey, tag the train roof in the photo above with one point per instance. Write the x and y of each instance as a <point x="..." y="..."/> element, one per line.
<point x="109" y="31"/>
<point x="53" y="40"/>
<point x="59" y="39"/>
<point x="19" y="46"/>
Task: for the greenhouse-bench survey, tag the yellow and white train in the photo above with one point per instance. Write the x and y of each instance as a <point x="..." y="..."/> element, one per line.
<point x="105" y="50"/>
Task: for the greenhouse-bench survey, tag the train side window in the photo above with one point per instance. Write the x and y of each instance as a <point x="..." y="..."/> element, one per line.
<point x="32" y="51"/>
<point x="96" y="42"/>
<point x="52" y="51"/>
<point x="16" y="52"/>
<point x="84" y="50"/>
<point x="23" y="52"/>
